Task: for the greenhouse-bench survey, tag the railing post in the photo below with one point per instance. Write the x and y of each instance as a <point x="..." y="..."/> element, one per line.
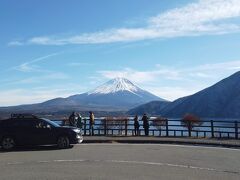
<point x="236" y="130"/>
<point x="212" y="128"/>
<point x="126" y="126"/>
<point x="167" y="133"/>
<point x="189" y="129"/>
<point x="85" y="125"/>
<point x="105" y="127"/>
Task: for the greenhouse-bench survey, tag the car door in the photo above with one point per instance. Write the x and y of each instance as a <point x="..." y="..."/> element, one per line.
<point x="25" y="131"/>
<point x="44" y="132"/>
<point x="33" y="132"/>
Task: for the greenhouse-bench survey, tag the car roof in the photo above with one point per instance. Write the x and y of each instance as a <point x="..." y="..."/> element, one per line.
<point x="23" y="116"/>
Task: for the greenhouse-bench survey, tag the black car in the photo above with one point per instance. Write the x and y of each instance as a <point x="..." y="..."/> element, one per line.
<point x="29" y="130"/>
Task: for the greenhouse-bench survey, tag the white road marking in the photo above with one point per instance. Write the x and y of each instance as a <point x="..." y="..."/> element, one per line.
<point x="131" y="162"/>
<point x="15" y="163"/>
<point x="163" y="164"/>
<point x="43" y="161"/>
<point x="166" y="145"/>
<point x="76" y="160"/>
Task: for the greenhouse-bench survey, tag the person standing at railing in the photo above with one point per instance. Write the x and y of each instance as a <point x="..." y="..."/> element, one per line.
<point x="73" y="120"/>
<point x="136" y="126"/>
<point x="79" y="121"/>
<point x="91" y="123"/>
<point x="145" y="124"/>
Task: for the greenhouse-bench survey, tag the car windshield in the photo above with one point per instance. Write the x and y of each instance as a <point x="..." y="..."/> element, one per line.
<point x="51" y="122"/>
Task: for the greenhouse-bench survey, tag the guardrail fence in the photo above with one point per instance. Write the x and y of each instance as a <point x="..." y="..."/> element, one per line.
<point x="167" y="128"/>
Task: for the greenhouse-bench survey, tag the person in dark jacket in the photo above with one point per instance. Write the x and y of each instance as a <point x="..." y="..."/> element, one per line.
<point x="72" y="120"/>
<point x="136" y="126"/>
<point x="91" y="123"/>
<point x="79" y="121"/>
<point x="145" y="124"/>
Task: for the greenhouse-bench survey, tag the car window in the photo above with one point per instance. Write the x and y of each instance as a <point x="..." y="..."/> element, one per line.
<point x="50" y="122"/>
<point x="42" y="124"/>
<point x="27" y="123"/>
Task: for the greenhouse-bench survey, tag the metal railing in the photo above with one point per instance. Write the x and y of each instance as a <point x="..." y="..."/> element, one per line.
<point x="170" y="128"/>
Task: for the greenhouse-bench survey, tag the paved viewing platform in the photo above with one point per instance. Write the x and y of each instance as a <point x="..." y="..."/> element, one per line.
<point x="163" y="140"/>
<point x="117" y="161"/>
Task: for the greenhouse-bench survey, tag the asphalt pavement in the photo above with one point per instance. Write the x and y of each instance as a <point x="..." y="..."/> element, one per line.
<point x="121" y="161"/>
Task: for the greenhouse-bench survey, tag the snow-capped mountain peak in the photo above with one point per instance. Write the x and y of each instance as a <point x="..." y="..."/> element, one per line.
<point x="116" y="85"/>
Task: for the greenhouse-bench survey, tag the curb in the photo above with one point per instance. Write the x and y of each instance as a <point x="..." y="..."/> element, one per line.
<point x="162" y="142"/>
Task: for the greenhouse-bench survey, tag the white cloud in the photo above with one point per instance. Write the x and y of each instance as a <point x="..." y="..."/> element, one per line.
<point x="200" y="75"/>
<point x="136" y="76"/>
<point x="25" y="96"/>
<point x="25" y="67"/>
<point x="29" y="65"/>
<point x="37" y="95"/>
<point x="230" y="65"/>
<point x="204" y="71"/>
<point x="143" y="76"/>
<point x="195" y="14"/>
<point x="205" y="17"/>
<point x="50" y="76"/>
<point x="172" y="93"/>
<point x="15" y="43"/>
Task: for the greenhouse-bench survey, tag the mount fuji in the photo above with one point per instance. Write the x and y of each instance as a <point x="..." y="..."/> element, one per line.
<point x="118" y="94"/>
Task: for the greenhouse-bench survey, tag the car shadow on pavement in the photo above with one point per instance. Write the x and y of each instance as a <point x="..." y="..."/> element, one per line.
<point x="33" y="148"/>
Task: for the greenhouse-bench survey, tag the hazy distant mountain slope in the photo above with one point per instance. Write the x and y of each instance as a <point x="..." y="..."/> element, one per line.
<point x="153" y="108"/>
<point x="115" y="95"/>
<point x="220" y="100"/>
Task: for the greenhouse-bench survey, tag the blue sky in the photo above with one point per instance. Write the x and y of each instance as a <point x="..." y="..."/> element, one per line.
<point x="172" y="48"/>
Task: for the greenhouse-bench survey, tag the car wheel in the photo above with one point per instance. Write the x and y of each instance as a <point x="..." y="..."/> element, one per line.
<point x="63" y="142"/>
<point x="8" y="143"/>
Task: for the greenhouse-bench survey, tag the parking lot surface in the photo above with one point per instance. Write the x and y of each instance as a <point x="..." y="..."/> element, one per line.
<point x="121" y="161"/>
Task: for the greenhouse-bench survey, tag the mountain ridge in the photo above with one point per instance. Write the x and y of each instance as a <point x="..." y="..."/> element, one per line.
<point x="118" y="94"/>
<point x="221" y="100"/>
